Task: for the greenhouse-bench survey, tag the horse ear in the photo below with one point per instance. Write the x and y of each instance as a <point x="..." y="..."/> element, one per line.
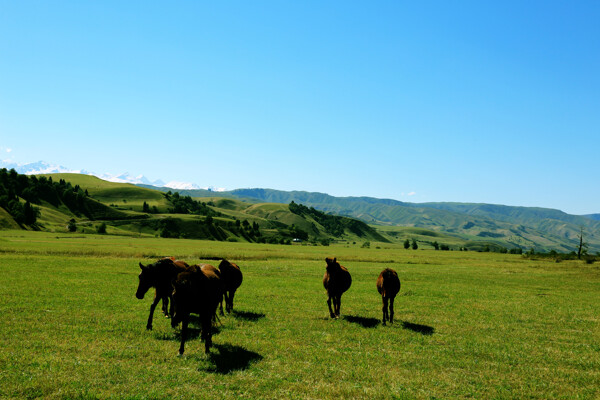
<point x="334" y="260"/>
<point x="142" y="266"/>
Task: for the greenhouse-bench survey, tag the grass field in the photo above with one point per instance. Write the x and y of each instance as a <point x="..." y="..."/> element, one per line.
<point x="468" y="325"/>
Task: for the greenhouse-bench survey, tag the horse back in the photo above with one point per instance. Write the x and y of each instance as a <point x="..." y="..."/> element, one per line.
<point x="198" y="289"/>
<point x="231" y="274"/>
<point x="338" y="282"/>
<point x="388" y="283"/>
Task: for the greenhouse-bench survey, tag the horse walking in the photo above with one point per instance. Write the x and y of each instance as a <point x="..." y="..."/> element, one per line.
<point x="197" y="290"/>
<point x="388" y="285"/>
<point x="232" y="279"/>
<point x="336" y="281"/>
<point x="159" y="276"/>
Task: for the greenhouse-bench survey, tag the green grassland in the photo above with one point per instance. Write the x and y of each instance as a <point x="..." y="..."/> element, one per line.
<point x="468" y="324"/>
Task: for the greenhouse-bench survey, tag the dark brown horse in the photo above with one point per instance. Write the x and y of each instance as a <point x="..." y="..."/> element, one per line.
<point x="388" y="285"/>
<point x="197" y="290"/>
<point x="232" y="279"/>
<point x="336" y="280"/>
<point x="159" y="276"/>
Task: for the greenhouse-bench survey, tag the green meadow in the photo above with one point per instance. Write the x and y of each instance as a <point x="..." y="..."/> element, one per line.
<point x="468" y="324"/>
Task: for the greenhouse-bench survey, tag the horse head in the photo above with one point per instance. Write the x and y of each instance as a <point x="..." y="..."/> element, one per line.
<point x="146" y="281"/>
<point x="332" y="264"/>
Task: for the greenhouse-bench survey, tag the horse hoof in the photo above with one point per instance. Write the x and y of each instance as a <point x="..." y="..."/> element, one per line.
<point x="149" y="327"/>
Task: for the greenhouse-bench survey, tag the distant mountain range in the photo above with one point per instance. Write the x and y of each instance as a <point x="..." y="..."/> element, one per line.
<point x="525" y="227"/>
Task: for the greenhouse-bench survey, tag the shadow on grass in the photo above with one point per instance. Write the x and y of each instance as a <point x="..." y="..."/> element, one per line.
<point x="192" y="333"/>
<point x="247" y="315"/>
<point x="194" y="330"/>
<point x="362" y="321"/>
<point x="422" y="329"/>
<point x="231" y="358"/>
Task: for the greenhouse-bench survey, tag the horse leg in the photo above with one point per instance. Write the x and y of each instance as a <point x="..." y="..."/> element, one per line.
<point x="392" y="310"/>
<point x="172" y="307"/>
<point x="152" y="307"/>
<point x="384" y="309"/>
<point x="337" y="301"/>
<point x="207" y="331"/>
<point x="230" y="302"/>
<point x="331" y="314"/>
<point x="184" y="328"/>
<point x="165" y="306"/>
<point x="221" y="302"/>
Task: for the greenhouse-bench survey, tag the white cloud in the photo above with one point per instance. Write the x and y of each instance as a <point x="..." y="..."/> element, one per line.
<point x="412" y="193"/>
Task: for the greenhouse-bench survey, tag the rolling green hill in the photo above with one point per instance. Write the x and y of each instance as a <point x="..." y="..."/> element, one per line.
<point x="88" y="204"/>
<point x="525" y="227"/>
<point x="265" y="215"/>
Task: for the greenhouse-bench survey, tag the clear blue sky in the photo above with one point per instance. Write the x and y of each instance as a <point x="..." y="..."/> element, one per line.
<point x="469" y="101"/>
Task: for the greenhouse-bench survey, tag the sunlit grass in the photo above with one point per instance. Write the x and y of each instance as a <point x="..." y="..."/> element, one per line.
<point x="468" y="324"/>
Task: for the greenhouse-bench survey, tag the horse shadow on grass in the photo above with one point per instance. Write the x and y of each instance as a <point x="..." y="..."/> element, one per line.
<point x="362" y="321"/>
<point x="194" y="330"/>
<point x="247" y="315"/>
<point x="422" y="329"/>
<point x="231" y="358"/>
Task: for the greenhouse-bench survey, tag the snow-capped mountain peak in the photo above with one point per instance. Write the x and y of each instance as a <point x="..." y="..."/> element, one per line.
<point x="42" y="167"/>
<point x="181" y="185"/>
<point x="128" y="178"/>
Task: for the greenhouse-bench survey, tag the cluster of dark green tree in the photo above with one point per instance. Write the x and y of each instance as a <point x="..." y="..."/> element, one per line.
<point x="408" y="244"/>
<point x="249" y="231"/>
<point x="208" y="228"/>
<point x="187" y="205"/>
<point x="34" y="190"/>
<point x="336" y="225"/>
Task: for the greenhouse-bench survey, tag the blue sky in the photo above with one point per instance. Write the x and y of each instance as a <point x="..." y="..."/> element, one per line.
<point x="469" y="101"/>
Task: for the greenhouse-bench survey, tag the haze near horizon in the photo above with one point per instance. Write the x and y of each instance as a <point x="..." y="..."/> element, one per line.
<point x="428" y="102"/>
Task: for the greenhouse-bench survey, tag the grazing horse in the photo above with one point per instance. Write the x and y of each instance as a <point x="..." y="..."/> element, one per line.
<point x="159" y="276"/>
<point x="197" y="290"/>
<point x="336" y="280"/>
<point x="388" y="285"/>
<point x="232" y="279"/>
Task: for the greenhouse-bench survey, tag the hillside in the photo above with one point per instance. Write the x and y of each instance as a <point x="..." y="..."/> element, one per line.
<point x="595" y="217"/>
<point x="265" y="215"/>
<point x="87" y="204"/>
<point x="541" y="229"/>
<point x="525" y="227"/>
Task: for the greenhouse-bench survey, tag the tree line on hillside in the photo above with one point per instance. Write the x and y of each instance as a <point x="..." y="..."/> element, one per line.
<point x="333" y="224"/>
<point x="209" y="228"/>
<point x="187" y="205"/>
<point x="35" y="190"/>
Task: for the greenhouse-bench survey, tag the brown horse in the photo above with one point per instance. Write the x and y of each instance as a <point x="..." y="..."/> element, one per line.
<point x="388" y="285"/>
<point x="197" y="290"/>
<point x="336" y="280"/>
<point x="232" y="279"/>
<point x="159" y="276"/>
